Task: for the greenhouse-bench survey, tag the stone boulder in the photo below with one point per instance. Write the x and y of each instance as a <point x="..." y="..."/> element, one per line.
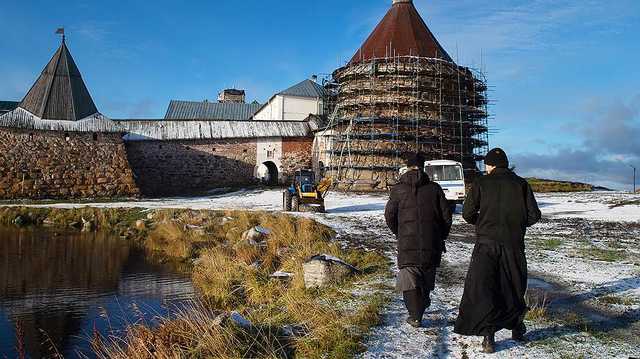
<point x="323" y="269"/>
<point x="255" y="235"/>
<point x="141" y="225"/>
<point x="87" y="225"/>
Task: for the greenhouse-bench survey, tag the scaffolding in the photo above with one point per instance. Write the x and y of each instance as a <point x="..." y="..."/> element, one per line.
<point x="385" y="107"/>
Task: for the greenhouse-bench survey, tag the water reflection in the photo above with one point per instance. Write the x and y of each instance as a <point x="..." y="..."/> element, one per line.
<point x="60" y="287"/>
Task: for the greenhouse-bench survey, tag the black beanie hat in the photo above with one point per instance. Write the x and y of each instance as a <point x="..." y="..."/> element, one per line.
<point x="415" y="159"/>
<point x="497" y="158"/>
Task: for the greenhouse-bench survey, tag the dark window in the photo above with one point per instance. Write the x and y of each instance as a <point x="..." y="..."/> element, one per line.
<point x="66" y="137"/>
<point x="95" y="136"/>
<point x="245" y="150"/>
<point x="160" y="147"/>
<point x="31" y="136"/>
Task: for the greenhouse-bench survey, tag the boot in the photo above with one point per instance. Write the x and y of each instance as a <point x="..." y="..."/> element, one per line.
<point x="415" y="306"/>
<point x="518" y="332"/>
<point x="414" y="322"/>
<point x="489" y="344"/>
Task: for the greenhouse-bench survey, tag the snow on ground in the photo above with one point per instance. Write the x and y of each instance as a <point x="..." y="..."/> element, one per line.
<point x="592" y="205"/>
<point x="583" y="262"/>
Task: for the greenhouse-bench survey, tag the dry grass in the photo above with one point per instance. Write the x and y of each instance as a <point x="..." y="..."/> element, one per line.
<point x="544" y="186"/>
<point x="110" y="219"/>
<point x="195" y="333"/>
<point x="617" y="300"/>
<point x="538" y="306"/>
<point x="605" y="255"/>
<point x="234" y="275"/>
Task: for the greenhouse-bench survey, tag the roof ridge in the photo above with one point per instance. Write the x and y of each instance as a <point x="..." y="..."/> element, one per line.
<point x="65" y="52"/>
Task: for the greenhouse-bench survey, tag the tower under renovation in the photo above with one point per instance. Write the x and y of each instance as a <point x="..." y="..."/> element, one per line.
<point x="402" y="92"/>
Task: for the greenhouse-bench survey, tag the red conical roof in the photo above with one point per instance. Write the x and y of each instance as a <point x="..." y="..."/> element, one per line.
<point x="401" y="32"/>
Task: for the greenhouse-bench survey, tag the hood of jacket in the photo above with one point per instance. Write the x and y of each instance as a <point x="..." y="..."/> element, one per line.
<point x="415" y="179"/>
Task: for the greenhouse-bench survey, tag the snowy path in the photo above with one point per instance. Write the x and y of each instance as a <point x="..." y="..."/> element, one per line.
<point x="573" y="224"/>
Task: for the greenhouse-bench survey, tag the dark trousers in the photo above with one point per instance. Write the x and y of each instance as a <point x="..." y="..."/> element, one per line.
<point x="417" y="301"/>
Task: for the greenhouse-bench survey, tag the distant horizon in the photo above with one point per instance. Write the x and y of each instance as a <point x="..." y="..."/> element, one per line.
<point x="562" y="74"/>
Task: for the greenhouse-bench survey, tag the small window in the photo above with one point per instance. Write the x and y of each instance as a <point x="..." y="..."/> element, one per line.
<point x="213" y="149"/>
<point x="30" y="136"/>
<point x="67" y="137"/>
<point x="160" y="147"/>
<point x="95" y="136"/>
<point x="270" y="154"/>
<point x="244" y="151"/>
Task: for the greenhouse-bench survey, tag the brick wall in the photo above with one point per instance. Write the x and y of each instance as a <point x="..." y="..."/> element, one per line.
<point x="55" y="165"/>
<point x="191" y="166"/>
<point x="296" y="154"/>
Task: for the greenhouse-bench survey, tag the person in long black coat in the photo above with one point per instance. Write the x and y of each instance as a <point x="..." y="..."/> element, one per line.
<point x="502" y="206"/>
<point x="420" y="217"/>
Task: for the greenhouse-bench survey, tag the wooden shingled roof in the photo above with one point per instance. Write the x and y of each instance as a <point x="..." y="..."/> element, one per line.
<point x="402" y="32"/>
<point x="60" y="93"/>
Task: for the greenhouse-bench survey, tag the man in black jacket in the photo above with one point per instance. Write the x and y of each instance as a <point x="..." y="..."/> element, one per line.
<point x="420" y="217"/>
<point x="502" y="206"/>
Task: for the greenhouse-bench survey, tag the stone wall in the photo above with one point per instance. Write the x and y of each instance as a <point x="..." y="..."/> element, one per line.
<point x="164" y="168"/>
<point x="56" y="165"/>
<point x="296" y="154"/>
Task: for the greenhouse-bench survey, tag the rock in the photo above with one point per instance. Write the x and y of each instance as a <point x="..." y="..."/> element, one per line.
<point x="141" y="225"/>
<point x="87" y="226"/>
<point x="225" y="220"/>
<point x="255" y="235"/>
<point x="150" y="215"/>
<point x="295" y="331"/>
<point x="221" y="319"/>
<point x="240" y="321"/>
<point x="282" y="275"/>
<point x="21" y="221"/>
<point x="48" y="222"/>
<point x="196" y="229"/>
<point x="323" y="269"/>
<point x="197" y="261"/>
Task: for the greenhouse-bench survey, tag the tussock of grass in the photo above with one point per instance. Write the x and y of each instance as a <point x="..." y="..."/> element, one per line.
<point x="605" y="255"/>
<point x="616" y="300"/>
<point x="538" y="308"/>
<point x="194" y="333"/>
<point x="551" y="244"/>
<point x="632" y="202"/>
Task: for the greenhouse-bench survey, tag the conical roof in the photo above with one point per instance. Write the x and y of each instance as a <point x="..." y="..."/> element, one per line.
<point x="59" y="93"/>
<point x="401" y="32"/>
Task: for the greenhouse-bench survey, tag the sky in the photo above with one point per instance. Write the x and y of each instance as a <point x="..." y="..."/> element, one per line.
<point x="563" y="74"/>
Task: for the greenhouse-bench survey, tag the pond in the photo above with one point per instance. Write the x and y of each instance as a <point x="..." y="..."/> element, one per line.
<point x="58" y="288"/>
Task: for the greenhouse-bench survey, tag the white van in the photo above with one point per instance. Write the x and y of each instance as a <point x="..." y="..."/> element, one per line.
<point x="450" y="176"/>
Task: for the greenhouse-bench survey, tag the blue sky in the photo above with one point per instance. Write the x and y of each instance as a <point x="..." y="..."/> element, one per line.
<point x="564" y="74"/>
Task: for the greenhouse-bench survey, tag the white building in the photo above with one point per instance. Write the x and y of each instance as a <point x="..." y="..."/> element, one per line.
<point x="296" y="103"/>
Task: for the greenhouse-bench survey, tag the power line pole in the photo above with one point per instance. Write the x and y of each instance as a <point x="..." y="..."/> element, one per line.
<point x="634" y="177"/>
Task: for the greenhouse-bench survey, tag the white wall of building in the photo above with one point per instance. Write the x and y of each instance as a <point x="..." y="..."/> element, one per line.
<point x="269" y="149"/>
<point x="289" y="108"/>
